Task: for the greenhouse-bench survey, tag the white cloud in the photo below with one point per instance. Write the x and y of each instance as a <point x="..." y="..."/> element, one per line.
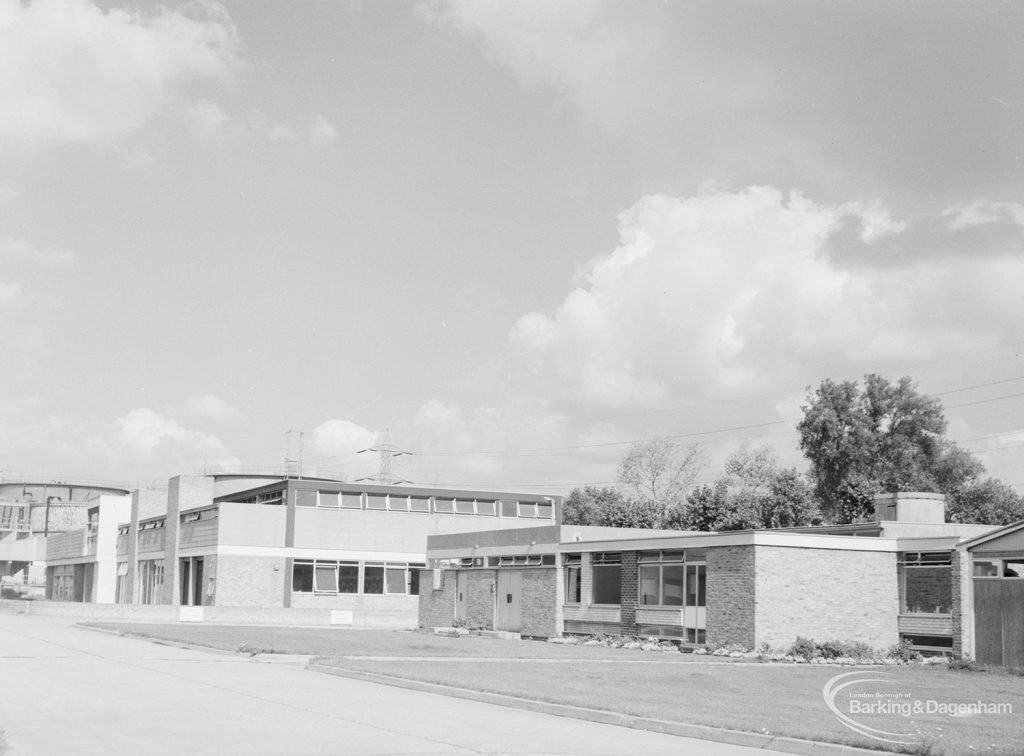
<point x="10" y="292"/>
<point x="20" y="250"/>
<point x="981" y="212"/>
<point x="73" y="72"/>
<point x="210" y="406"/>
<point x="336" y="437"/>
<point x="7" y="193"/>
<point x="322" y="131"/>
<point x="709" y="302"/>
<point x="144" y="430"/>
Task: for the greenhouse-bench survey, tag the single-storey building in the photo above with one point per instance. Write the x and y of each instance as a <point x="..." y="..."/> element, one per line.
<point x="877" y="583"/>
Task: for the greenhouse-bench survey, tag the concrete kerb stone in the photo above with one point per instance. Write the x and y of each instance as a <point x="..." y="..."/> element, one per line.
<point x="680" y="729"/>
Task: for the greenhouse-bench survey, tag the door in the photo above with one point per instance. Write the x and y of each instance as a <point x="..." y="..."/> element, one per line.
<point x="999" y="621"/>
<point x="197" y="582"/>
<point x="461" y="599"/>
<point x="508" y="614"/>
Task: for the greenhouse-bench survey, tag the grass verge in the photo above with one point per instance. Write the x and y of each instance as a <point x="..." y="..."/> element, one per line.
<point x="775" y="699"/>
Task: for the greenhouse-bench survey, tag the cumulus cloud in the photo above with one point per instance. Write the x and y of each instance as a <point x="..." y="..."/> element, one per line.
<point x="210" y="406"/>
<point x="144" y="430"/>
<point x="708" y="302"/>
<point x="73" y="72"/>
<point x="982" y="212"/>
<point x="342" y="437"/>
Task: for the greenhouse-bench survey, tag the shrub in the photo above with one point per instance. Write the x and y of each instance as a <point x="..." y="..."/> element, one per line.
<point x="805" y="648"/>
<point x="902" y="652"/>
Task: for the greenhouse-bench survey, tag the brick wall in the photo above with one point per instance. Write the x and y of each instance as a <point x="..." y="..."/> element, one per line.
<point x="249" y="581"/>
<point x="823" y="594"/>
<point x="539" y="599"/>
<point x="628" y="600"/>
<point x="437" y="608"/>
<point x="730" y="596"/>
<point x="957" y="572"/>
<point x="480" y="599"/>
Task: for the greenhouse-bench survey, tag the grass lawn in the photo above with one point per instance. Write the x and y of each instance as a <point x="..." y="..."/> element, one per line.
<point x="779" y="699"/>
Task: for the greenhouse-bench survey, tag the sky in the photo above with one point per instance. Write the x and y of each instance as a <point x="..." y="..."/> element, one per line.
<point x="510" y="239"/>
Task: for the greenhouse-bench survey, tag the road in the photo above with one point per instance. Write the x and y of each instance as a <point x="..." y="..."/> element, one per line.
<point x="69" y="690"/>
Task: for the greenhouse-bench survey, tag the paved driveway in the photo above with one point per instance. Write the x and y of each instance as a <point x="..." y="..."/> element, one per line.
<point x="68" y="690"/>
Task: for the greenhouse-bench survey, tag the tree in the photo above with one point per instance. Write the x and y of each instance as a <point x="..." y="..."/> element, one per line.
<point x="886" y="437"/>
<point x="988" y="501"/>
<point x="753" y="492"/>
<point x="661" y="471"/>
<point x="708" y="508"/>
<point x="608" y="508"/>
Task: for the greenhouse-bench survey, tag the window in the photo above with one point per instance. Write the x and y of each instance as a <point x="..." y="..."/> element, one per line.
<point x="464" y="506"/>
<point x="926" y="584"/>
<point x="508" y="508"/>
<point x="661" y="577"/>
<point x="373" y="579"/>
<point x="444" y="506"/>
<point x="302" y="577"/>
<point x="486" y="508"/>
<point x="986" y="568"/>
<point x="573" y="578"/>
<point x="696" y="585"/>
<point x="414" y="578"/>
<point x="398" y="503"/>
<point x="527" y="509"/>
<point x="394" y="579"/>
<point x="330" y="499"/>
<point x="151" y="581"/>
<point x="305" y="498"/>
<point x="545" y="510"/>
<point x="326" y="578"/>
<point x="419" y="504"/>
<point x="607" y="578"/>
<point x="376" y="501"/>
<point x="348" y="577"/>
<point x="121" y="588"/>
<point x="1013" y="568"/>
<point x="351" y="501"/>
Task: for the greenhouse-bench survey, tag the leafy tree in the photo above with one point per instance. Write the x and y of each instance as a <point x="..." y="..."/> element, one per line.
<point x="708" y="508"/>
<point x="988" y="501"/>
<point x="753" y="492"/>
<point x="884" y="437"/>
<point x="661" y="471"/>
<point x="607" y="507"/>
<point x="789" y="503"/>
<point x="631" y="513"/>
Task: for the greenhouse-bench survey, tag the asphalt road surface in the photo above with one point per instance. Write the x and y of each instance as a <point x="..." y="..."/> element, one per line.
<point x="68" y="690"/>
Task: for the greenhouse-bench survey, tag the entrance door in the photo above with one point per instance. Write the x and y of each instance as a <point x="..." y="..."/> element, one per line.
<point x="999" y="621"/>
<point x="508" y="615"/>
<point x="461" y="603"/>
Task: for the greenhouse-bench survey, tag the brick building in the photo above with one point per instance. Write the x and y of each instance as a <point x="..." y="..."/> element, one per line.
<point x="876" y="582"/>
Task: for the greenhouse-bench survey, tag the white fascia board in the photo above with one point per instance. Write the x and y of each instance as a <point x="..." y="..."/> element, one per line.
<point x="339" y="554"/>
<point x="740" y="538"/>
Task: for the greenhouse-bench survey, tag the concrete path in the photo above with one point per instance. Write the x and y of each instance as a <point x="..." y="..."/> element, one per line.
<point x="67" y="690"/>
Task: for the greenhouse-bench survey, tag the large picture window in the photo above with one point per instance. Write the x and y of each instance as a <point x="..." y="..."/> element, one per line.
<point x="661" y="577"/>
<point x="607" y="578"/>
